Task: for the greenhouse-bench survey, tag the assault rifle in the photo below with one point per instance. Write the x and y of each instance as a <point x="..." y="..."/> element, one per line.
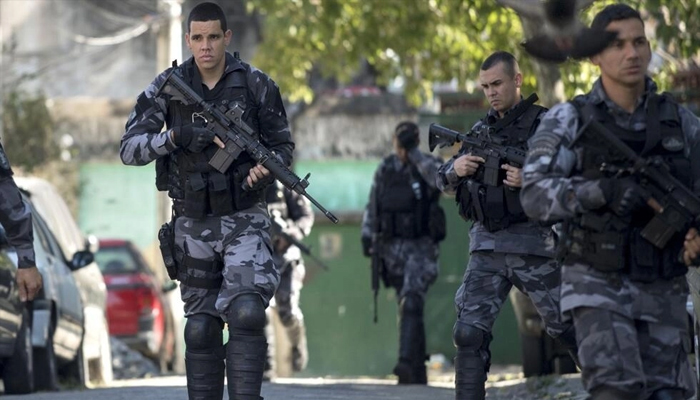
<point x="676" y="207"/>
<point x="277" y="229"/>
<point x="237" y="137"/>
<point x="481" y="144"/>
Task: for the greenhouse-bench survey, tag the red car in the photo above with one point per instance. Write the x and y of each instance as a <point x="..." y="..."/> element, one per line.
<point x="138" y="310"/>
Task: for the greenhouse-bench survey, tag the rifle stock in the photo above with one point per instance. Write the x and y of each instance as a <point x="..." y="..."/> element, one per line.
<point x="237" y="137"/>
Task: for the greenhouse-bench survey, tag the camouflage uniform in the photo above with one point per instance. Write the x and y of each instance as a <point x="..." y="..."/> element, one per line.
<point x="520" y="255"/>
<point x="410" y="265"/>
<point x="294" y="216"/>
<point x="633" y="335"/>
<point x="226" y="269"/>
<point x="15" y="216"/>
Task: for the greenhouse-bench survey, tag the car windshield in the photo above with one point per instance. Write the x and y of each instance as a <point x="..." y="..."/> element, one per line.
<point x="115" y="260"/>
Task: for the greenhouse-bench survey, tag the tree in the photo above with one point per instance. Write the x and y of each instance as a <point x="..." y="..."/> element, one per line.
<point x="427" y="41"/>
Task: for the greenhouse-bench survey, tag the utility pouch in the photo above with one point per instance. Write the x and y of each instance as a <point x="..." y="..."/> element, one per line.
<point x="166" y="237"/>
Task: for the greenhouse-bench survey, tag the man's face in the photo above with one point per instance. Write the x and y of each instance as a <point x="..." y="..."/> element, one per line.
<point x="625" y="61"/>
<point x="501" y="90"/>
<point x="207" y="42"/>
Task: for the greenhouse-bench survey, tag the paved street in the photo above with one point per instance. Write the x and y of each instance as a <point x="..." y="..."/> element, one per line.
<point x="173" y="388"/>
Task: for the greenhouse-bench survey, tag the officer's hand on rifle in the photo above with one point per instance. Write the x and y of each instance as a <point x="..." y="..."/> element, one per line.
<point x="624" y="196"/>
<point x="514" y="176"/>
<point x="467" y="165"/>
<point x="258" y="174"/>
<point x="691" y="248"/>
<point x="193" y="137"/>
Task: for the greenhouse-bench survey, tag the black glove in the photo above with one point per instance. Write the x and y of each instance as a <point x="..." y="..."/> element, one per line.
<point x="366" y="246"/>
<point x="624" y="196"/>
<point x="193" y="138"/>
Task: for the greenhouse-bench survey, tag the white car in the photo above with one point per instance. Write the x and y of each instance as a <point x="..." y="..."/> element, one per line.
<point x="95" y="351"/>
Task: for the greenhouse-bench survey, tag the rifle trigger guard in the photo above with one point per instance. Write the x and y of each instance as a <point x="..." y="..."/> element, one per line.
<point x="196" y="115"/>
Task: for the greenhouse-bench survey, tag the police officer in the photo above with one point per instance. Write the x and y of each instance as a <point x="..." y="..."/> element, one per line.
<point x="16" y="218"/>
<point x="626" y="297"/>
<point x="506" y="248"/>
<point x="292" y="219"/>
<point x="404" y="205"/>
<point x="221" y="232"/>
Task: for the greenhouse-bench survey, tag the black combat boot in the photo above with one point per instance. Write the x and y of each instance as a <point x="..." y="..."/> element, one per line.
<point x="411" y="366"/>
<point x="204" y="357"/>
<point x="205" y="375"/>
<point x="245" y="364"/>
<point x="470" y="375"/>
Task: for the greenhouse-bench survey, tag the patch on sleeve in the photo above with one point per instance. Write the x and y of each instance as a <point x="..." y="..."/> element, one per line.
<point x="544" y="144"/>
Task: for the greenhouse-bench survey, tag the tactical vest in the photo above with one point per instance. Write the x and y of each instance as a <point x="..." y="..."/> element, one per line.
<point x="196" y="188"/>
<point x="497" y="207"/>
<point x="610" y="243"/>
<point x="404" y="204"/>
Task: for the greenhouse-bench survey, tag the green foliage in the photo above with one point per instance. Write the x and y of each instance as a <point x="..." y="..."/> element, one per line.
<point x="28" y="130"/>
<point x="426" y="41"/>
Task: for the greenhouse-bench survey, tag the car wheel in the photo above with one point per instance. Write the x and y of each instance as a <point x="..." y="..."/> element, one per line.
<point x="45" y="369"/>
<point x="18" y="373"/>
<point x="535" y="362"/>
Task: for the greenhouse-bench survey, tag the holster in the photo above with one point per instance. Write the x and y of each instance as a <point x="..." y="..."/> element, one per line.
<point x="166" y="237"/>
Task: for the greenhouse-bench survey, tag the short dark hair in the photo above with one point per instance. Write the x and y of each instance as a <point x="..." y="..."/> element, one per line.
<point x="207" y="12"/>
<point x="614" y="12"/>
<point x="504" y="57"/>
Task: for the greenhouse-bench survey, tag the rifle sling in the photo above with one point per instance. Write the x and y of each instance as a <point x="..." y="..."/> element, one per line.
<point x="515" y="112"/>
<point x="653" y="134"/>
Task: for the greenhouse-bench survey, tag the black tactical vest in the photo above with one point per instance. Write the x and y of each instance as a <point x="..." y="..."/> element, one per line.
<point x="404" y="204"/>
<point x="497" y="207"/>
<point x="610" y="243"/>
<point x="196" y="188"/>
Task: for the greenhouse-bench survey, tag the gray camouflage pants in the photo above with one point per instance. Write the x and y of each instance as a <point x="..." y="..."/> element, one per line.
<point x="242" y="242"/>
<point x="491" y="275"/>
<point x="411" y="265"/>
<point x="632" y="336"/>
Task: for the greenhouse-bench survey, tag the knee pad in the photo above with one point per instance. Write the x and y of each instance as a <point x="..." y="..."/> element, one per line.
<point x="246" y="313"/>
<point x="412" y="304"/>
<point x="468" y="336"/>
<point x="203" y="332"/>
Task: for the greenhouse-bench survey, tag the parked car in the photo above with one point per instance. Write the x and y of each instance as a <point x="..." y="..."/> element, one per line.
<point x="95" y="350"/>
<point x="541" y="354"/>
<point x="58" y="319"/>
<point x="138" y="309"/>
<point x="16" y="351"/>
